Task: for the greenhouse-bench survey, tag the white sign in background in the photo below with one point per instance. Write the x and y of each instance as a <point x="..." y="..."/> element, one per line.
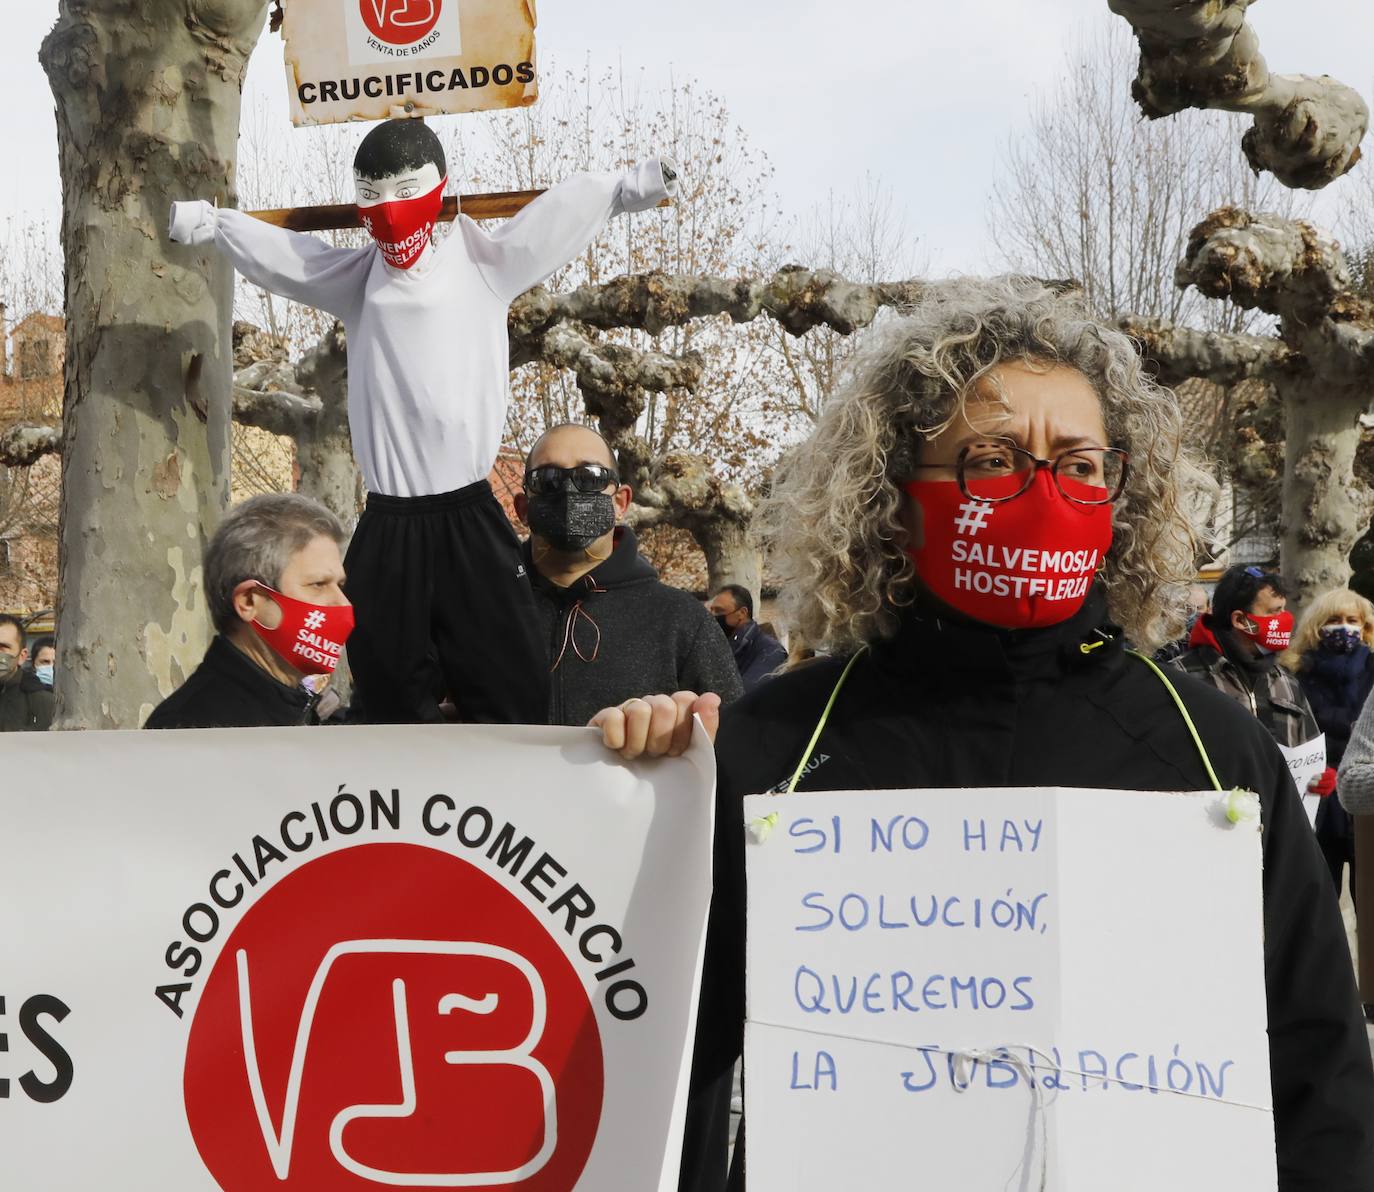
<point x="120" y="851"/>
<point x="1097" y="953"/>
<point x="1306" y="762"/>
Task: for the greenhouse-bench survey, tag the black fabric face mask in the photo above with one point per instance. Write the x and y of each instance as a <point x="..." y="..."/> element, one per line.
<point x="724" y="625"/>
<point x="571" y="521"/>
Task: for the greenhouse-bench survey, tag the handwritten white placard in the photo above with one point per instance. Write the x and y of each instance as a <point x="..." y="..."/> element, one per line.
<point x="988" y="989"/>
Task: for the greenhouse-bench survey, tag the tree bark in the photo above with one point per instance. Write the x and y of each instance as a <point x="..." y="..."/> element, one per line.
<point x="147" y="95"/>
<point x="731" y="557"/>
<point x="683" y="491"/>
<point x="1325" y="509"/>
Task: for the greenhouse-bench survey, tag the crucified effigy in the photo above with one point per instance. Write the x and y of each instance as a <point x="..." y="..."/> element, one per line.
<point x="435" y="575"/>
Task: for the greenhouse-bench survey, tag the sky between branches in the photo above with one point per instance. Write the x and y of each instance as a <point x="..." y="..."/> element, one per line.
<point x="921" y="94"/>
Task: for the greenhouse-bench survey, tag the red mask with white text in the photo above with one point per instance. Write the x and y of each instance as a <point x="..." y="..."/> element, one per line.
<point x="310" y="637"/>
<point x="403" y="228"/>
<point x="1019" y="564"/>
<point x="1271" y="634"/>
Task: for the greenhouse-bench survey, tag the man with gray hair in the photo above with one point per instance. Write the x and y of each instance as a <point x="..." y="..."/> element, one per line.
<point x="274" y="584"/>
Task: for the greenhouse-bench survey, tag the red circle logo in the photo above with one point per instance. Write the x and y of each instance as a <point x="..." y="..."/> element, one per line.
<point x="389" y="1016"/>
<point x="400" y="22"/>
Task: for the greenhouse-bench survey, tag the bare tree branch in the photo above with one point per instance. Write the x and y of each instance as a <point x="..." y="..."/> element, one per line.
<point x="1178" y="353"/>
<point x="265" y="396"/>
<point x="1203" y="54"/>
<point x="252" y="345"/>
<point x="797" y="298"/>
<point x="25" y="443"/>
<point x="1290" y="269"/>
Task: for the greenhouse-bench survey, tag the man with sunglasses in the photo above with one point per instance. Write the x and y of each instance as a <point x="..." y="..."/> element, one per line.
<point x="611" y="630"/>
<point x="1236" y="649"/>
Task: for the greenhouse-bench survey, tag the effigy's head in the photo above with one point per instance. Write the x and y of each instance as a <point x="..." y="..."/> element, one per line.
<point x="399" y="174"/>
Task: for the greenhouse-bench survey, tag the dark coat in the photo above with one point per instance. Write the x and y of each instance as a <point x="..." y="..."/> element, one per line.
<point x="42" y="701"/>
<point x="946" y="705"/>
<point x="26" y="704"/>
<point x="618" y="632"/>
<point x="756" y="654"/>
<point x="229" y="690"/>
<point x="1269" y="692"/>
<point x="1336" y="686"/>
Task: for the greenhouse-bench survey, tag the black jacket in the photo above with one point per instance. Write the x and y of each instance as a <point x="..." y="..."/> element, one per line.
<point x="26" y="704"/>
<point x="943" y="705"/>
<point x="618" y="632"/>
<point x="756" y="654"/>
<point x="229" y="690"/>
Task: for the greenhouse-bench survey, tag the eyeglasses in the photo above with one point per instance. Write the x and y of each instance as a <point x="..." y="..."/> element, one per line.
<point x="585" y="478"/>
<point x="994" y="472"/>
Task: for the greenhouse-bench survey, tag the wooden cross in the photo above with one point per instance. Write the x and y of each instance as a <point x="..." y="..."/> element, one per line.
<point x="333" y="216"/>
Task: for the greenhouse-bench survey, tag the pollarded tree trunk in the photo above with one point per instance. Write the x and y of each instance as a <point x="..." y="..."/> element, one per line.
<point x="1324" y="376"/>
<point x="731" y="558"/>
<point x="1325" y="508"/>
<point x="324" y="447"/>
<point x="147" y="95"/>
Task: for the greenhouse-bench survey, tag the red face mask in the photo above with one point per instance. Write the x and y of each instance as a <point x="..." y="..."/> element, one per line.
<point x="1271" y="634"/>
<point x="310" y="636"/>
<point x="403" y="228"/>
<point x="1020" y="564"/>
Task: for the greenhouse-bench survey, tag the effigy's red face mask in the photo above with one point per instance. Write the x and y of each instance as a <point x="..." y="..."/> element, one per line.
<point x="310" y="637"/>
<point x="402" y="226"/>
<point x="1023" y="563"/>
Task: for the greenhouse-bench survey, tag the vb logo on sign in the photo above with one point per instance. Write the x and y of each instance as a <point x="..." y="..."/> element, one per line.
<point x="391" y="1016"/>
<point x="401" y="22"/>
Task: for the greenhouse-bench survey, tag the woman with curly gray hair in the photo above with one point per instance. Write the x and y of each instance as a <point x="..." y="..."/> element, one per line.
<point x="992" y="506"/>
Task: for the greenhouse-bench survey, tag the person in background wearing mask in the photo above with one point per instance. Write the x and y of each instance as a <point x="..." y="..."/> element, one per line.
<point x="1236" y="649"/>
<point x="274" y="583"/>
<point x="43" y="666"/>
<point x="434" y="557"/>
<point x="25" y="704"/>
<point x="1199" y="603"/>
<point x="997" y="424"/>
<point x="756" y="653"/>
<point x="611" y="630"/>
<point x="1332" y="657"/>
<point x="44" y="652"/>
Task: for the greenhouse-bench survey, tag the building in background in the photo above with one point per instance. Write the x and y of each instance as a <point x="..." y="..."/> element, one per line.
<point x="31" y="368"/>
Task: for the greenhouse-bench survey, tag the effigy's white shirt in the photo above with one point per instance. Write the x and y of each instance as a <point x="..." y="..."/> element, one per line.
<point x="428" y="355"/>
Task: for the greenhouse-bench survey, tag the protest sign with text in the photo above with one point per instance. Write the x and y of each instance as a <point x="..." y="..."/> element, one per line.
<point x="1306" y="762"/>
<point x="1019" y="989"/>
<point x="375" y="59"/>
<point x="347" y="959"/>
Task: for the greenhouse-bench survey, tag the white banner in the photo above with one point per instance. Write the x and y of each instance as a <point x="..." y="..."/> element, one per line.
<point x="347" y="959"/>
<point x="1019" y="989"/>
